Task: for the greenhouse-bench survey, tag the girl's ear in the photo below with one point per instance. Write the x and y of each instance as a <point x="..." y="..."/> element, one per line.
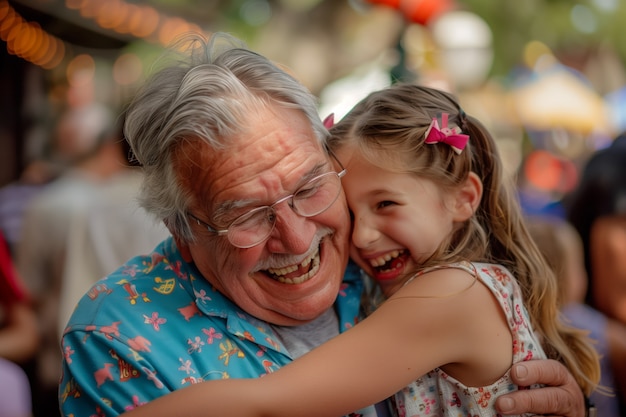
<point x="468" y="198"/>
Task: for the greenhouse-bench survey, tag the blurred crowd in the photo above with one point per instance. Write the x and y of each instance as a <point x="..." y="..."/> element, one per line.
<point x="586" y="248"/>
<point x="69" y="219"/>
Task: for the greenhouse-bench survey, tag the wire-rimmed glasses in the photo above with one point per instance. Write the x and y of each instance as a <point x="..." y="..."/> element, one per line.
<point x="254" y="227"/>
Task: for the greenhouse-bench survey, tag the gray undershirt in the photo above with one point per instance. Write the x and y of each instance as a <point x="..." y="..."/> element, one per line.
<point x="300" y="339"/>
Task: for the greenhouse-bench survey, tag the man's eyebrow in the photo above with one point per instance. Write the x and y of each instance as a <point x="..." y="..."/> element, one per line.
<point x="225" y="209"/>
<point x="315" y="171"/>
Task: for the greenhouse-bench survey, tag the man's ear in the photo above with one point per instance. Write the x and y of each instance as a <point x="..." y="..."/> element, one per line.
<point x="182" y="245"/>
<point x="468" y="198"/>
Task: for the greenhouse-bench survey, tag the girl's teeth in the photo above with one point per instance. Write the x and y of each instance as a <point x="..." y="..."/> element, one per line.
<point x="382" y="260"/>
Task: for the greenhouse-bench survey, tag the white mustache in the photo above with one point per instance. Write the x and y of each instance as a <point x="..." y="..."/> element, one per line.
<point x="281" y="260"/>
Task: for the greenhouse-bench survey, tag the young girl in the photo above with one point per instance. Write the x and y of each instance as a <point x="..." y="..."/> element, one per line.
<point x="468" y="293"/>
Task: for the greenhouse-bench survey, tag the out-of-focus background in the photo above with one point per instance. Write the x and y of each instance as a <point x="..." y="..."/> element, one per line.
<point x="547" y="77"/>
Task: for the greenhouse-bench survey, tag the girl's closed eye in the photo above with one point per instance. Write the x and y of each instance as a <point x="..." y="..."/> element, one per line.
<point x="385" y="203"/>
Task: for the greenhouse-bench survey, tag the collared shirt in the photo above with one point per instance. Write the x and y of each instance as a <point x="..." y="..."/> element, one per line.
<point x="156" y="325"/>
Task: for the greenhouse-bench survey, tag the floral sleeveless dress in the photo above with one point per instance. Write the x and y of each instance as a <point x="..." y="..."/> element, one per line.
<point x="439" y="394"/>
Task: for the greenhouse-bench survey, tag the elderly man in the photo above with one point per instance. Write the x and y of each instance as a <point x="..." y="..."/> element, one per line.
<point x="235" y="164"/>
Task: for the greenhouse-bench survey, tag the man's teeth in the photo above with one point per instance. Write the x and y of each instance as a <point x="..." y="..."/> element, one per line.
<point x="289" y="269"/>
<point x="311" y="264"/>
<point x="304" y="277"/>
<point x="382" y="260"/>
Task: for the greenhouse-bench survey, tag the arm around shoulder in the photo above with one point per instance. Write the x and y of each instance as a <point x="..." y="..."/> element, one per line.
<point x="560" y="397"/>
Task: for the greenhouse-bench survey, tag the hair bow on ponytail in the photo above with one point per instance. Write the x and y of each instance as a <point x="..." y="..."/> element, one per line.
<point x="447" y="135"/>
<point x="329" y="121"/>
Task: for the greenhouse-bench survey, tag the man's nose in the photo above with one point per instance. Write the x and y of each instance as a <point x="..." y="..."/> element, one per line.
<point x="292" y="233"/>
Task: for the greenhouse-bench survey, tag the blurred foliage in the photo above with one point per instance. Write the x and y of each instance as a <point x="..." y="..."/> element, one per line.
<point x="514" y="23"/>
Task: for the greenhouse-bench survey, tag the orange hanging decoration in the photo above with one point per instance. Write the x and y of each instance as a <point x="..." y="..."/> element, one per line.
<point x="423" y="11"/>
<point x="417" y="11"/>
<point x="394" y="4"/>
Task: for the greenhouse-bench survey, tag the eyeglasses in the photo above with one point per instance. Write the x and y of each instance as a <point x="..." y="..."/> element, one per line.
<point x="312" y="198"/>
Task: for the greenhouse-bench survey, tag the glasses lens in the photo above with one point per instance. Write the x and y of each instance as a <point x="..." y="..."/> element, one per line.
<point x="311" y="199"/>
<point x="317" y="195"/>
<point x="252" y="227"/>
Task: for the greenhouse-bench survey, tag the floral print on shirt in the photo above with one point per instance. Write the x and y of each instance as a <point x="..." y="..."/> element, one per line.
<point x="155" y="325"/>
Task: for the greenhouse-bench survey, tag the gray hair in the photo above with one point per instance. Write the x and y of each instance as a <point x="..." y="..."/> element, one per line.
<point x="203" y="92"/>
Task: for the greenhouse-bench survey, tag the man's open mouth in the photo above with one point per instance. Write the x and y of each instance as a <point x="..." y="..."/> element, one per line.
<point x="297" y="274"/>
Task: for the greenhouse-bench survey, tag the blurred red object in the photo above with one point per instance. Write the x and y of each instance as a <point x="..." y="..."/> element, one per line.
<point x="550" y="173"/>
<point x="394" y="4"/>
<point x="417" y="11"/>
<point x="11" y="288"/>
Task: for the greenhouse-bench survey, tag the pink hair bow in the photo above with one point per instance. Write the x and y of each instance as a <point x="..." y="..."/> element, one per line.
<point x="329" y="121"/>
<point x="447" y="135"/>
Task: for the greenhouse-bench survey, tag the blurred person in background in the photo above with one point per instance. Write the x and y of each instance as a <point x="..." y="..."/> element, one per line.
<point x="15" y="196"/>
<point x="597" y="209"/>
<point x="18" y="339"/>
<point x="84" y="220"/>
<point x="563" y="249"/>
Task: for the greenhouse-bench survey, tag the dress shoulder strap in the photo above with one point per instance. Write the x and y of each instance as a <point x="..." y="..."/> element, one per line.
<point x="464" y="265"/>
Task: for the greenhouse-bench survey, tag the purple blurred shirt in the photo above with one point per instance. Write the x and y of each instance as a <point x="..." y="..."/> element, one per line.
<point x="585" y="317"/>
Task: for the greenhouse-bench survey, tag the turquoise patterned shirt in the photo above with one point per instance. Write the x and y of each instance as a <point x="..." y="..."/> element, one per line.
<point x="155" y="325"/>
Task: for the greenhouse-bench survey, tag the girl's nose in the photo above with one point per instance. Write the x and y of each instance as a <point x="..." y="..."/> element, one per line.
<point x="364" y="233"/>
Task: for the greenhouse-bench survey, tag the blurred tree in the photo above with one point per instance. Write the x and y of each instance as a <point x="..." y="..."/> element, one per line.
<point x="563" y="25"/>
